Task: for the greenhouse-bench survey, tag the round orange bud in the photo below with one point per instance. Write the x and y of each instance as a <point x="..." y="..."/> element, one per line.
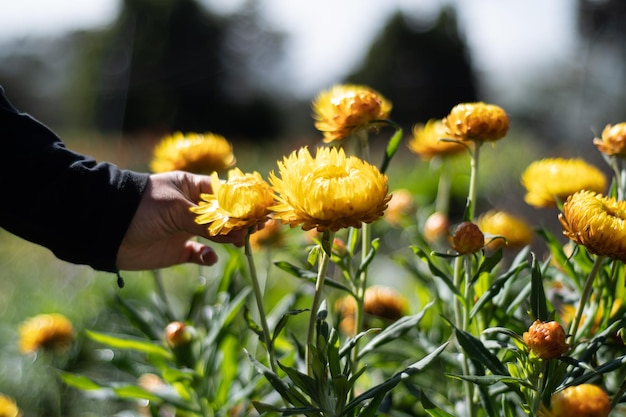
<point x="477" y="121"/>
<point x="467" y="238"/>
<point x="436" y="227"/>
<point x="177" y="334"/>
<point x="586" y="400"/>
<point x="546" y="339"/>
<point x="613" y="141"/>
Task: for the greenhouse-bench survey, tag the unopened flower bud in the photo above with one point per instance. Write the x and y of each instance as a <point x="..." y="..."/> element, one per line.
<point x="177" y="334"/>
<point x="467" y="238"/>
<point x="546" y="339"/>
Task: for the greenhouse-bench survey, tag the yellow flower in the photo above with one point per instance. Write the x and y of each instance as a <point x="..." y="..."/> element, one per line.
<point x="467" y="238"/>
<point x="427" y="141"/>
<point x="242" y="201"/>
<point x="585" y="400"/>
<point x="343" y="109"/>
<point x="400" y="205"/>
<point x="546" y="339"/>
<point x="477" y="121"/>
<point x="53" y="332"/>
<point x="499" y="223"/>
<point x="613" y="140"/>
<point x="193" y="152"/>
<point x="552" y="178"/>
<point x="597" y="222"/>
<point x="8" y="408"/>
<point x="379" y="301"/>
<point x="328" y="192"/>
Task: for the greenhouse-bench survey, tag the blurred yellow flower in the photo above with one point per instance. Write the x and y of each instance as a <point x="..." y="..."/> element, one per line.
<point x="546" y="339"/>
<point x="597" y="222"/>
<point x="427" y="141"/>
<point x="270" y="235"/>
<point x="379" y="301"/>
<point x="242" y="201"/>
<point x="436" y="227"/>
<point x="585" y="400"/>
<point x="193" y="152"/>
<point x="500" y="223"/>
<point x="343" y="109"/>
<point x="613" y="141"/>
<point x="328" y="192"/>
<point x="8" y="408"/>
<point x="400" y="206"/>
<point x="477" y="121"/>
<point x="50" y="332"/>
<point x="552" y="178"/>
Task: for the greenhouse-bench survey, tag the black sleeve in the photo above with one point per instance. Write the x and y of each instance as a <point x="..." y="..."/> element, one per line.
<point x="67" y="202"/>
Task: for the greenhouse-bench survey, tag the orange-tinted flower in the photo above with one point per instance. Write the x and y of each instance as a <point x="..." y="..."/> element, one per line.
<point x="50" y="332"/>
<point x="193" y="152"/>
<point x="379" y="301"/>
<point x="242" y="201"/>
<point x="552" y="178"/>
<point x="467" y="238"/>
<point x="177" y="334"/>
<point x="546" y="339"/>
<point x="586" y="400"/>
<point x="8" y="408"/>
<point x="270" y="235"/>
<point x="344" y="109"/>
<point x="476" y="121"/>
<point x="400" y="206"/>
<point x="597" y="222"/>
<point x="515" y="231"/>
<point x="613" y="141"/>
<point x="329" y="191"/>
<point x="429" y="140"/>
<point x="436" y="227"/>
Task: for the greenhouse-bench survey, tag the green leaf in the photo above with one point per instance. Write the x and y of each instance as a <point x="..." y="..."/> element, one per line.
<point x="538" y="304"/>
<point x="394" y="331"/>
<point x="486" y="380"/>
<point x="369" y="258"/>
<point x="126" y="342"/>
<point x="477" y="351"/>
<point x="431" y="408"/>
<point x="389" y="384"/>
<point x="436" y="271"/>
<point x="488" y="263"/>
<point x="80" y="382"/>
<point x="268" y="408"/>
<point x="392" y="146"/>
<point x="495" y="288"/>
<point x="308" y="275"/>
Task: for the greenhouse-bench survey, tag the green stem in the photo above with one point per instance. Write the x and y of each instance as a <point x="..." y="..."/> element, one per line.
<point x="258" y="295"/>
<point x="461" y="317"/>
<point x="327" y="241"/>
<point x="584" y="297"/>
<point x="442" y="202"/>
<point x="471" y="195"/>
<point x="361" y="287"/>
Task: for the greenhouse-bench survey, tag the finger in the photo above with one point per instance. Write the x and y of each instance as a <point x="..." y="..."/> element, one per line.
<point x="197" y="253"/>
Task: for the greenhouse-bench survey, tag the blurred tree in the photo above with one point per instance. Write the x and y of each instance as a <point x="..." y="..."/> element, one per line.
<point x="423" y="71"/>
<point x="173" y="65"/>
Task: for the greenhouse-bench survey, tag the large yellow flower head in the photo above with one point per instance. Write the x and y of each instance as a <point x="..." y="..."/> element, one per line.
<point x="597" y="222"/>
<point x="477" y="121"/>
<point x="613" y="140"/>
<point x="241" y="201"/>
<point x="516" y="232"/>
<point x="193" y="152"/>
<point x="8" y="408"/>
<point x="329" y="191"/>
<point x="427" y="141"/>
<point x="585" y="400"/>
<point x="552" y="178"/>
<point x="52" y="332"/>
<point x="343" y="109"/>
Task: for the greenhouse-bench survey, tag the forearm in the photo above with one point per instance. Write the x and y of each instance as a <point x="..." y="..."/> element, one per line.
<point x="67" y="202"/>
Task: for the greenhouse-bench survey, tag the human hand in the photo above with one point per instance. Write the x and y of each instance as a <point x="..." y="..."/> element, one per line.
<point x="161" y="231"/>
